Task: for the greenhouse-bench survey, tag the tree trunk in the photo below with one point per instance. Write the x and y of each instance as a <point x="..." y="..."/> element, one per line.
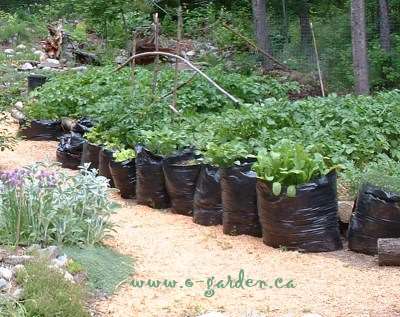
<point x="261" y="29"/>
<point x="384" y="25"/>
<point x="389" y="252"/>
<point x="360" y="54"/>
<point x="305" y="32"/>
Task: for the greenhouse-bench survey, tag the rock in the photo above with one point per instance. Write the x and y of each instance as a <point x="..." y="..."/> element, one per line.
<point x="345" y="210"/>
<point x="80" y="68"/>
<point x="120" y="60"/>
<point x="61" y="261"/>
<point x="191" y="53"/>
<point x="18" y="294"/>
<point x="68" y="276"/>
<point x="21" y="47"/>
<point x="17" y="259"/>
<point x="33" y="248"/>
<point x="50" y="252"/>
<point x="6" y="273"/>
<point x="4" y="284"/>
<point x="38" y="52"/>
<point x="19" y="105"/>
<point x="51" y="63"/>
<point x="27" y="66"/>
<point x="9" y="51"/>
<point x="213" y="314"/>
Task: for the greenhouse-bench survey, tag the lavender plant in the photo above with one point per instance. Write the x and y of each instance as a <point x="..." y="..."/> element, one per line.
<point x="42" y="204"/>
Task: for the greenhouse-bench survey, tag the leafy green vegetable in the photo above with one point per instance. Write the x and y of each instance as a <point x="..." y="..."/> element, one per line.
<point x="124" y="155"/>
<point x="288" y="165"/>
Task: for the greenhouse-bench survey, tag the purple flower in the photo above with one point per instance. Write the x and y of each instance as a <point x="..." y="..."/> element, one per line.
<point x="47" y="179"/>
<point x="14" y="178"/>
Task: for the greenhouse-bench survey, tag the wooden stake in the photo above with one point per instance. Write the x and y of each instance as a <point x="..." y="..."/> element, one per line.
<point x="157" y="45"/>
<point x="133" y="64"/>
<point x="317" y="58"/>
<point x="178" y="52"/>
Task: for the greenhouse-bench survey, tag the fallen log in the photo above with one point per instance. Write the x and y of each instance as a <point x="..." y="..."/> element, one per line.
<point x="389" y="252"/>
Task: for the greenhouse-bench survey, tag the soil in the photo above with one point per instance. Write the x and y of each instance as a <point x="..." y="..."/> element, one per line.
<point x="170" y="246"/>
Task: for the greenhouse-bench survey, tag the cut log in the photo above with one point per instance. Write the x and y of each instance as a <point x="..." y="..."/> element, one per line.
<point x="389" y="252"/>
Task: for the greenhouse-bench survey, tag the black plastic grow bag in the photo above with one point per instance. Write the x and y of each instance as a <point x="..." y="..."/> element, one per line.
<point x="307" y="222"/>
<point x="150" y="182"/>
<point x="41" y="130"/>
<point x="180" y="182"/>
<point x="105" y="157"/>
<point x="207" y="206"/>
<point x="90" y="154"/>
<point x="82" y="126"/>
<point x="239" y="201"/>
<point x="36" y="81"/>
<point x="69" y="150"/>
<point x="124" y="177"/>
<point x="376" y="215"/>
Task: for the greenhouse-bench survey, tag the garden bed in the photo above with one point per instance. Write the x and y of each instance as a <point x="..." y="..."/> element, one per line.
<point x="170" y="246"/>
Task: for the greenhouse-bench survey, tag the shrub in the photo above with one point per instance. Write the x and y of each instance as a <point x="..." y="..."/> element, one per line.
<point x="47" y="293"/>
<point x="40" y="204"/>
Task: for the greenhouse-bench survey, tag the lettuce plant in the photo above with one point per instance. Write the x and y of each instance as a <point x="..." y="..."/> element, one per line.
<point x="41" y="204"/>
<point x="288" y="165"/>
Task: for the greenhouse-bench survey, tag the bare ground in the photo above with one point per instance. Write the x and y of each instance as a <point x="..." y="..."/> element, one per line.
<point x="168" y="246"/>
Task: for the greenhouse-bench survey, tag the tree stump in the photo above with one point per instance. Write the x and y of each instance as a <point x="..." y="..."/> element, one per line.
<point x="389" y="252"/>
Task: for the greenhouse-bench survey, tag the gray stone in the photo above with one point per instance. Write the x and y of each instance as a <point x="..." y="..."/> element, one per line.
<point x="9" y="51"/>
<point x="17" y="259"/>
<point x="6" y="273"/>
<point x="33" y="248"/>
<point x="4" y="284"/>
<point x="51" y="63"/>
<point x="19" y="105"/>
<point x="19" y="267"/>
<point x="50" y="252"/>
<point x="18" y="294"/>
<point x="21" y="47"/>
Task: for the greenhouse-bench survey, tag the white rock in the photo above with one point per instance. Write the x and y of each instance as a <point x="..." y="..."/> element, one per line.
<point x="3" y="284"/>
<point x="52" y="63"/>
<point x="27" y="66"/>
<point x="9" y="51"/>
<point x="19" y="105"/>
<point x="68" y="276"/>
<point x="21" y="47"/>
<point x="17" y="259"/>
<point x="191" y="53"/>
<point x="6" y="273"/>
<point x="18" y="294"/>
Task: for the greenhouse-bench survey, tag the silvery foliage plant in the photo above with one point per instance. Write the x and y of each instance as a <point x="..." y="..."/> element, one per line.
<point x="42" y="204"/>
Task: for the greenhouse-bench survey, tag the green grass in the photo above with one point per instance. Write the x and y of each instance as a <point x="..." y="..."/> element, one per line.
<point x="105" y="268"/>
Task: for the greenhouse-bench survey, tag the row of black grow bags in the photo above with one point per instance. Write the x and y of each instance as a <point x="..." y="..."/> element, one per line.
<point x="233" y="197"/>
